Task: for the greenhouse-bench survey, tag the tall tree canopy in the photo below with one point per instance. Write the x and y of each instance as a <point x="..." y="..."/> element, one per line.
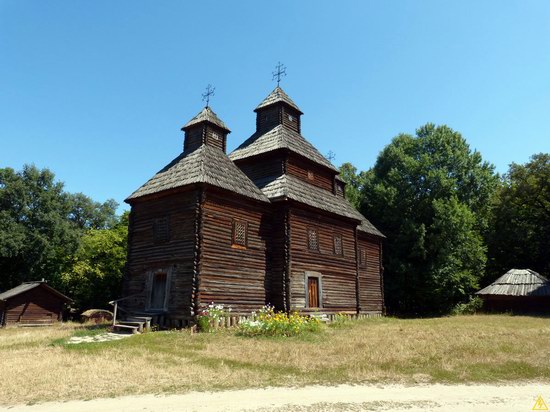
<point x="41" y="225"/>
<point x="354" y="183"/>
<point x="94" y="276"/>
<point x="519" y="234"/>
<point x="429" y="194"/>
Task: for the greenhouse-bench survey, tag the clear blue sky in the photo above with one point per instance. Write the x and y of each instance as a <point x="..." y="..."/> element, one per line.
<point x="97" y="90"/>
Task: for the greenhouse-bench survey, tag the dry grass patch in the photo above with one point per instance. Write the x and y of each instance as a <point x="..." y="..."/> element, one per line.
<point x="456" y="349"/>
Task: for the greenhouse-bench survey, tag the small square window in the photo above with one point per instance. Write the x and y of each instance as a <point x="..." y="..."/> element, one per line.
<point x="310" y="175"/>
<point x="312" y="239"/>
<point x="291" y="118"/>
<point x="215" y="136"/>
<point x="337" y="242"/>
<point x="240" y="233"/>
<point x="161" y="230"/>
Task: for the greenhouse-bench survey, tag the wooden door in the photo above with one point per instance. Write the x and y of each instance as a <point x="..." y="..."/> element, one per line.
<point x="158" y="291"/>
<point x="313" y="292"/>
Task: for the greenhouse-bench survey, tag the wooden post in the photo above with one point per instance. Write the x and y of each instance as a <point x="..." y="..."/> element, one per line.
<point x="114" y="313"/>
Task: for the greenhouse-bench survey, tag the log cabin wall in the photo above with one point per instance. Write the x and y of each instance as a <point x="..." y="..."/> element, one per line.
<point x="277" y="260"/>
<point x="290" y="118"/>
<point x="162" y="239"/>
<point x="215" y="136"/>
<point x="35" y="306"/>
<point x="310" y="172"/>
<point x="270" y="165"/>
<point x="337" y="272"/>
<point x="268" y="118"/>
<point x="371" y="297"/>
<point x="193" y="139"/>
<point x="232" y="274"/>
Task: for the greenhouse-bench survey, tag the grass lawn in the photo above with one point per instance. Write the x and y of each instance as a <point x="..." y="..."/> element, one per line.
<point x="37" y="366"/>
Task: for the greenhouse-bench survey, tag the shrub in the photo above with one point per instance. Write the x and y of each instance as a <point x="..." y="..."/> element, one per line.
<point x="469" y="308"/>
<point x="209" y="317"/>
<point x="269" y="323"/>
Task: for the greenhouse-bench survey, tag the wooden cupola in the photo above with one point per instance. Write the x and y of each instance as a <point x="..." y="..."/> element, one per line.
<point x="277" y="109"/>
<point x="205" y="128"/>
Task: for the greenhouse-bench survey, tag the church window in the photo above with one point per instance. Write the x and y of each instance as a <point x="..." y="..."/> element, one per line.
<point x="337" y="243"/>
<point x="215" y="136"/>
<point x="310" y="175"/>
<point x="312" y="239"/>
<point x="161" y="230"/>
<point x="362" y="257"/>
<point x="240" y="233"/>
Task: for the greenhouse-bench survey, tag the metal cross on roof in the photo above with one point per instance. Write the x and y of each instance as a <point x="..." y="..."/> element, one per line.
<point x="281" y="72"/>
<point x="209" y="92"/>
<point x="331" y="155"/>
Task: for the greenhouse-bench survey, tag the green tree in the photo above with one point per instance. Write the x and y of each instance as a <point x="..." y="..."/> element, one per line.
<point x="429" y="194"/>
<point x="519" y="235"/>
<point x="354" y="183"/>
<point x="95" y="275"/>
<point x="41" y="226"/>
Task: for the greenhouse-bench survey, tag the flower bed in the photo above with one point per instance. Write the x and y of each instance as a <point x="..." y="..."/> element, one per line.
<point x="269" y="323"/>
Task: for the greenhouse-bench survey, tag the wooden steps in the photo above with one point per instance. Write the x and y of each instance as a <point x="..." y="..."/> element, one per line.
<point x="121" y="328"/>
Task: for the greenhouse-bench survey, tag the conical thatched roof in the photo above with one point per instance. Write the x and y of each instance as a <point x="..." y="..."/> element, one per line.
<point x="518" y="282"/>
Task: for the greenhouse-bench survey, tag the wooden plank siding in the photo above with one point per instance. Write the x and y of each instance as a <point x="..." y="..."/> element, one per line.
<point x="277" y="257"/>
<point x="35" y="306"/>
<point x="231" y="274"/>
<point x="371" y="297"/>
<point x="338" y="273"/>
<point x="291" y="118"/>
<point x="263" y="167"/>
<point x="310" y="172"/>
<point x="176" y="255"/>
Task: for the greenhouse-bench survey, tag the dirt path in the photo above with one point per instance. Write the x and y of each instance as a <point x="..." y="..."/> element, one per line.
<point x="518" y="397"/>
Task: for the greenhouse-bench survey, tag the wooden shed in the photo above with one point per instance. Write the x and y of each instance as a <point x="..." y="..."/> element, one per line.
<point x="518" y="290"/>
<point x="31" y="303"/>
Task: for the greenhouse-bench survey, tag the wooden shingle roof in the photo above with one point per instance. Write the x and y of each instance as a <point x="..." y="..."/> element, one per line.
<point x="279" y="137"/>
<point x="276" y="96"/>
<point x="518" y="282"/>
<point x="206" y="115"/>
<point x="368" y="227"/>
<point x="25" y="287"/>
<point x="292" y="188"/>
<point x="207" y="164"/>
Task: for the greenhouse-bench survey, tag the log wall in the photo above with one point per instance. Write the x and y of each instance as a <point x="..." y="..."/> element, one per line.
<point x="310" y="172"/>
<point x="36" y="306"/>
<point x="146" y="256"/>
<point x="262" y="167"/>
<point x="230" y="274"/>
<point x="371" y="298"/>
<point x="338" y="273"/>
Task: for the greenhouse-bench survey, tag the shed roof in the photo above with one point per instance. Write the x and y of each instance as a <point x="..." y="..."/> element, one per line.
<point x="279" y="137"/>
<point x="277" y="95"/>
<point x="25" y="287"/>
<point x="518" y="282"/>
<point x="206" y="115"/>
<point x="207" y="164"/>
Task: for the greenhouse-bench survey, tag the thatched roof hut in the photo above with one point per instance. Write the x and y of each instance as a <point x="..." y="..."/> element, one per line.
<point x="518" y="290"/>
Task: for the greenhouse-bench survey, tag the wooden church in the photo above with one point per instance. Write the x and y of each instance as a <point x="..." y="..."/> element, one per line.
<point x="268" y="223"/>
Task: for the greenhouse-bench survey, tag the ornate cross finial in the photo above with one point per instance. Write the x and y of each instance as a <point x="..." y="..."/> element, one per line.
<point x="209" y="92"/>
<point x="281" y="72"/>
<point x="331" y="155"/>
